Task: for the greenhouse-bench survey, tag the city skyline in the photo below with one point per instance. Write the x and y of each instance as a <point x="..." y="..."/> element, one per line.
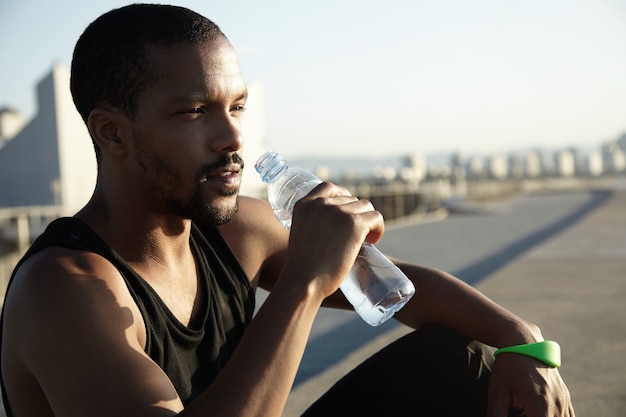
<point x="607" y="158"/>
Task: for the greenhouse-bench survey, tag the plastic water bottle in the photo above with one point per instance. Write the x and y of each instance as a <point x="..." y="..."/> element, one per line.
<point x="374" y="286"/>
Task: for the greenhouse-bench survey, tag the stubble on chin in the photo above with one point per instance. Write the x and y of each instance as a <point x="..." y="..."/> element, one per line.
<point x="213" y="215"/>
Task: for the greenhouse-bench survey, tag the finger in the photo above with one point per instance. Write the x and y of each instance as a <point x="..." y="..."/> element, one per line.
<point x="571" y="411"/>
<point x="376" y="226"/>
<point x="358" y="206"/>
<point x="328" y="189"/>
<point x="498" y="404"/>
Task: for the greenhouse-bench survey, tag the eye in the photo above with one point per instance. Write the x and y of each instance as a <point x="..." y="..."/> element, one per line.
<point x="192" y="113"/>
<point x="238" y="109"/>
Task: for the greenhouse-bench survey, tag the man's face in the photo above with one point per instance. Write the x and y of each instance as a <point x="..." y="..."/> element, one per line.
<point x="187" y="134"/>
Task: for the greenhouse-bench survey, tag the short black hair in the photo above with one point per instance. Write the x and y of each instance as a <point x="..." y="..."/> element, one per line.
<point x="110" y="65"/>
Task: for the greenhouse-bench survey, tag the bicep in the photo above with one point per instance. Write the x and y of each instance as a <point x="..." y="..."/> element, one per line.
<point x="112" y="379"/>
<point x="258" y="240"/>
<point x="101" y="370"/>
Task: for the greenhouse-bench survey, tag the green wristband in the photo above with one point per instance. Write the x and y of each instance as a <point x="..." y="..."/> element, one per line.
<point x="548" y="352"/>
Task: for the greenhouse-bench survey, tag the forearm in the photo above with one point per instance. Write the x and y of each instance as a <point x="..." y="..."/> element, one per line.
<point x="260" y="374"/>
<point x="444" y="299"/>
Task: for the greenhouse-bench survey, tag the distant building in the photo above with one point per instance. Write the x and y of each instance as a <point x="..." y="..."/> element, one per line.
<point x="565" y="163"/>
<point x="498" y="167"/>
<point x="11" y="122"/>
<point x="533" y="166"/>
<point x="594" y="165"/>
<point x="621" y="142"/>
<point x="476" y="168"/>
<point x="614" y="158"/>
<point x="50" y="161"/>
<point x="458" y="178"/>
<point x="414" y="168"/>
<point x="516" y="166"/>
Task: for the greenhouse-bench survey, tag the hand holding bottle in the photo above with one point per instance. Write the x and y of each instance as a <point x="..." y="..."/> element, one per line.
<point x="327" y="247"/>
<point x="374" y="285"/>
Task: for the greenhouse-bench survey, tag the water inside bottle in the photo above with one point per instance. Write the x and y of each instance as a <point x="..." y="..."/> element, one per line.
<point x="283" y="202"/>
<point x="376" y="305"/>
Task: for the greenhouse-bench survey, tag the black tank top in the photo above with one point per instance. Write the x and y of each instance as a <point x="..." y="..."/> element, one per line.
<point x="191" y="358"/>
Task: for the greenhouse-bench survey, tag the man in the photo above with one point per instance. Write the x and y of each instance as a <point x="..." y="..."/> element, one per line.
<point x="141" y="304"/>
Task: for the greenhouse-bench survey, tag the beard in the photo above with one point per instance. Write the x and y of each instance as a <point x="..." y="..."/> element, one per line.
<point x="164" y="181"/>
<point x="206" y="212"/>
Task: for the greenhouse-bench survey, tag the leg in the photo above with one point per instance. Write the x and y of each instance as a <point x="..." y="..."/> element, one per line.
<point x="430" y="372"/>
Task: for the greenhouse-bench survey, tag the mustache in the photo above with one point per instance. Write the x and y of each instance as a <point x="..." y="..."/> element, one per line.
<point x="223" y="161"/>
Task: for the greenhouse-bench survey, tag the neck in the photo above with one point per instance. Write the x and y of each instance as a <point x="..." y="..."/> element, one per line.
<point x="138" y="236"/>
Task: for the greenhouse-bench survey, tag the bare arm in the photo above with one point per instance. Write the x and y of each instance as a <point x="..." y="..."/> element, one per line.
<point x="517" y="380"/>
<point x="444" y="299"/>
<point x="73" y="343"/>
<point x="84" y="349"/>
<point x="74" y="339"/>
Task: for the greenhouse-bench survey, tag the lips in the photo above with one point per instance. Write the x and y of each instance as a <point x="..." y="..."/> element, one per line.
<point x="229" y="174"/>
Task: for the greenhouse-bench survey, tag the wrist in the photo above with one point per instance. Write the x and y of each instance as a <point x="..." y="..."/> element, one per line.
<point x="547" y="351"/>
<point x="519" y="332"/>
<point x="300" y="291"/>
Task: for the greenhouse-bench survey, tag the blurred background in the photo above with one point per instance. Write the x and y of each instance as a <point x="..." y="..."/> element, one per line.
<point x="480" y="130"/>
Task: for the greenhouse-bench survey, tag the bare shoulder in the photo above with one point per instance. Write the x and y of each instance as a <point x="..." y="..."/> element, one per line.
<point x="254" y="215"/>
<point x="255" y="220"/>
<point x="65" y="313"/>
<point x="257" y="238"/>
<point x="54" y="285"/>
<point x="56" y="276"/>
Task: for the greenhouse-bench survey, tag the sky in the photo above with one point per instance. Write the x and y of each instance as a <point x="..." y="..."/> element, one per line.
<point x="373" y="78"/>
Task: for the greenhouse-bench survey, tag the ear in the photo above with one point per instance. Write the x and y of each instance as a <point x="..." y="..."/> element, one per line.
<point x="110" y="130"/>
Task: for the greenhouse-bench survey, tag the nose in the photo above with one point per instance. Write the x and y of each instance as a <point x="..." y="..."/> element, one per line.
<point x="229" y="135"/>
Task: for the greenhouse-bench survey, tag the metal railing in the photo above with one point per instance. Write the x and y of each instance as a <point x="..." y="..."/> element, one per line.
<point x="19" y="225"/>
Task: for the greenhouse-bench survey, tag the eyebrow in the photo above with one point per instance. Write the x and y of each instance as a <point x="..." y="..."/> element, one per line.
<point x="202" y="97"/>
<point x="243" y="95"/>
